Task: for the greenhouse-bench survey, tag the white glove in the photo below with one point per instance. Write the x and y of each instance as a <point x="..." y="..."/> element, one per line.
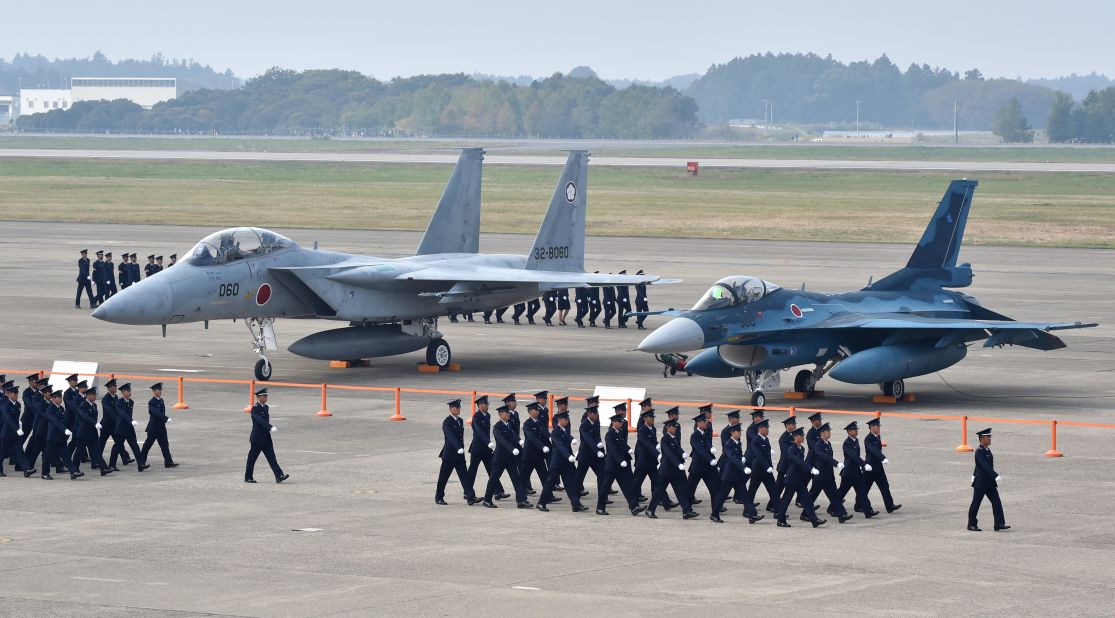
<point x="658" y="447"/>
<point x="746" y="470"/>
<point x="521" y="441"/>
<point x="600" y="454"/>
<point x="630" y="451"/>
<point x="814" y="471"/>
<point x="867" y="467"/>
<point x="772" y="453"/>
<point x="600" y="445"/>
<point x="545" y="449"/>
<point x="572" y="459"/>
<point x="623" y="464"/>
<point x="20" y="432"/>
<point x="713" y="462"/>
<point x="274" y="429"/>
<point x="135" y="424"/>
<point x="575" y="442"/>
<point x="460" y="451"/>
<point x="973" y="478"/>
<point x="684" y="455"/>
<point x="712" y="449"/>
<point x="681" y="466"/>
<point x="515" y="451"/>
<point x="840" y="466"/>
<point x="997" y="479"/>
<point x="886" y="461"/>
<point x="491" y="446"/>
<point x="770" y="470"/>
<point x="168" y="419"/>
<point x="69" y="433"/>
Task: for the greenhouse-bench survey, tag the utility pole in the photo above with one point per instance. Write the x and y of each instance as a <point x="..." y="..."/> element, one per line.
<point x="955" y="130"/>
<point x="857" y="117"/>
<point x="766" y="103"/>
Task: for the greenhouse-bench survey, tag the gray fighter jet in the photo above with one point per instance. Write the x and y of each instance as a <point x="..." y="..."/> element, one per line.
<point x="392" y="306"/>
<point x="904" y="325"/>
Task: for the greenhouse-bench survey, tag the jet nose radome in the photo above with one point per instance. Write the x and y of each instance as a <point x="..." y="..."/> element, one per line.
<point x="148" y="302"/>
<point x="677" y="335"/>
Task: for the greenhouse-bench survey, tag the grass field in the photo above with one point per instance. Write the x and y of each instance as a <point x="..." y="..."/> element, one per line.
<point x="858" y="152"/>
<point x="1068" y="210"/>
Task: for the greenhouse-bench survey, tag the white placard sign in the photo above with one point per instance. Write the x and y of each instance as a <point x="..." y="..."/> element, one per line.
<point x="611" y="396"/>
<point x="63" y="369"/>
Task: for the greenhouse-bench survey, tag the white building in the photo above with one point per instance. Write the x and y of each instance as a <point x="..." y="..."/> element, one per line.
<point x="145" y="91"/>
<point x="38" y="100"/>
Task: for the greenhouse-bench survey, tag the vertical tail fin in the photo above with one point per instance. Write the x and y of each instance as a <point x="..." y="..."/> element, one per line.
<point x="455" y="225"/>
<point x="933" y="262"/>
<point x="560" y="243"/>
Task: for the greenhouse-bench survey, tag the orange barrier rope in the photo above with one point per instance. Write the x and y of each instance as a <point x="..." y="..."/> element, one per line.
<point x="251" y="396"/>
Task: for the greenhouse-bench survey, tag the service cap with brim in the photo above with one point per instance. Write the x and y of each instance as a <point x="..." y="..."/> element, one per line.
<point x="824" y="427"/>
<point x="111" y="382"/>
<point x="646" y="402"/>
<point x="671" y="424"/>
<point x="158" y="257"/>
<point x="762" y="423"/>
<point x="45" y="388"/>
<point x="593" y="399"/>
<point x="758" y="414"/>
<point x="174" y="256"/>
<point x="792" y="420"/>
<point x="617" y="417"/>
<point x="596" y="410"/>
<point x="510" y="397"/>
<point x="561" y="415"/>
<point x="674" y="410"/>
<point x="84" y="251"/>
<point x="816" y="416"/>
<point x="851" y="426"/>
<point x="42" y="382"/>
<point x="11" y="389"/>
<point x="108" y="254"/>
<point x="151" y="257"/>
<point x="798" y="432"/>
<point x="503" y="409"/>
<point x="733" y="414"/>
<point x="706" y="408"/>
<point x="100" y="252"/>
<point x="561" y="401"/>
<point x="481" y="399"/>
<point x="33" y="376"/>
<point x="72" y="377"/>
<point x="92" y="391"/>
<point x="82" y="384"/>
<point x="127" y="386"/>
<point x="456" y="403"/>
<point x="533" y="406"/>
<point x="985" y="432"/>
<point x="621" y="407"/>
<point x="57" y="394"/>
<point x="542" y="394"/>
<point x="873" y="422"/>
<point x="699" y="418"/>
<point x="648" y="414"/>
<point x="158" y="386"/>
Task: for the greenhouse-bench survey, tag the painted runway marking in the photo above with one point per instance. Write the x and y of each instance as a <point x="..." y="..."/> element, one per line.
<point x="317" y="452"/>
<point x="97" y="579"/>
<point x="524" y="588"/>
<point x="182" y="370"/>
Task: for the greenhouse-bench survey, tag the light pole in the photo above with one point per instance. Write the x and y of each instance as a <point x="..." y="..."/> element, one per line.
<point x="857" y="118"/>
<point x="766" y="103"/>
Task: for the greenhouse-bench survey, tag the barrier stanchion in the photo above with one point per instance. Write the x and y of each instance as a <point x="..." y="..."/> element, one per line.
<point x="630" y="425"/>
<point x="324" y="411"/>
<point x="550" y="407"/>
<point x="251" y="396"/>
<point x="181" y="405"/>
<point x="882" y="442"/>
<point x="1053" y="452"/>
<point x="964" y="448"/>
<point x="398" y="416"/>
<point x="793" y="412"/>
<point x="471" y="404"/>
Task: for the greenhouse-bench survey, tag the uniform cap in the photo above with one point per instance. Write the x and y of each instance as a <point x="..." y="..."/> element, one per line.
<point x="72" y="377"/>
<point x="42" y="382"/>
<point x="646" y="402"/>
<point x="618" y="417"/>
<point x="510" y="397"/>
<point x="11" y="389"/>
<point x="456" y="403"/>
<point x="592" y="410"/>
<point x="673" y="410"/>
<point x="46" y="388"/>
<point x="82" y="384"/>
<point x="824" y="427"/>
<point x="503" y="409"/>
<point x="262" y="391"/>
<point x="816" y="416"/>
<point x="706" y="408"/>
<point x="158" y="386"/>
<point x="111" y="382"/>
<point x="798" y="432"/>
<point x="84" y="251"/>
<point x="57" y="394"/>
<point x="622" y="407"/>
<point x="758" y="413"/>
<point x="593" y="399"/>
<point x="640" y="272"/>
<point x="33" y="376"/>
<point x="542" y="394"/>
<point x="174" y="256"/>
<point x="733" y="414"/>
<point x="985" y="432"/>
<point x="699" y="418"/>
<point x="850" y="426"/>
<point x="108" y="254"/>
<point x="481" y="399"/>
<point x="561" y="415"/>
<point x="158" y="257"/>
<point x="100" y="252"/>
<point x="151" y="257"/>
<point x="671" y="424"/>
<point x="91" y="391"/>
<point x="735" y="429"/>
<point x="648" y="414"/>
<point x="762" y="423"/>
<point x="792" y="420"/>
<point x="127" y="386"/>
<point x="562" y="401"/>
<point x="533" y="406"/>
<point x="623" y="272"/>
<point x="873" y="422"/>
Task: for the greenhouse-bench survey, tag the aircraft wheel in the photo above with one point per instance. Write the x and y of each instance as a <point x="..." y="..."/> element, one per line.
<point x="896" y="389"/>
<point x="673" y="371"/>
<point x="803" y="381"/>
<point x="689" y="373"/>
<point x="438" y="353"/>
<point x="758" y="399"/>
<point x="263" y="370"/>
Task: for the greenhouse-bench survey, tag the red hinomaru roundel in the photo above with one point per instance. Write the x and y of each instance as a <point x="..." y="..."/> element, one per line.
<point x="264" y="294"/>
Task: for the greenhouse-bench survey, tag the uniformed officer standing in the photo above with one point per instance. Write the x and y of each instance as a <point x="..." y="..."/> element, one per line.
<point x="561" y="467"/>
<point x="158" y="263"/>
<point x="135" y="269"/>
<point x="549" y="299"/>
<point x="57" y="433"/>
<point x="536" y="449"/>
<point x="703" y="458"/>
<point x="873" y="444"/>
<point x="260" y="440"/>
<point x="482" y="447"/>
<point x="173" y="260"/>
<point x="852" y="475"/>
<point x="641" y="302"/>
<point x="646" y="453"/>
<point x="11" y="434"/>
<point x="109" y="423"/>
<point x="623" y="302"/>
<point x="110" y="275"/>
<point x="581" y="298"/>
<point x="30" y="399"/>
<point x="37" y="443"/>
<point x="759" y="454"/>
<point x="671" y="472"/>
<point x="797" y="473"/>
<point x="543" y="411"/>
<point x="156" y="426"/>
<point x="76" y="396"/>
<point x="821" y="458"/>
<point x="563" y="306"/>
<point x="505" y="459"/>
<point x="594" y="307"/>
<point x="512" y="404"/>
<point x="150" y="268"/>
<point x="453" y="455"/>
<point x="733" y="474"/>
<point x="590" y="455"/>
<point x="609" y="305"/>
<point x="124" y="272"/>
<point x="985" y="482"/>
<point x="84" y="278"/>
<point x="99" y="278"/>
<point x="85" y="433"/>
<point x="617" y="467"/>
<point x="125" y="431"/>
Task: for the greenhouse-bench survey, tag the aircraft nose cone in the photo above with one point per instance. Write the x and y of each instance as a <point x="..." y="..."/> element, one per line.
<point x="147" y="302"/>
<point x="677" y="335"/>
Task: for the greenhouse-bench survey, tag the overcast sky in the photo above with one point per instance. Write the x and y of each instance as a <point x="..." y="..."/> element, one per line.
<point x="647" y="39"/>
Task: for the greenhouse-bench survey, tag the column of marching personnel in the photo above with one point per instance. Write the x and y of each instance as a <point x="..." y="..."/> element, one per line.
<point x="103" y="275"/>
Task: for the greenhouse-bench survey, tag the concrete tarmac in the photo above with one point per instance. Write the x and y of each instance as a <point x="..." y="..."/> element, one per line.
<point x="355" y="531"/>
<point x="498" y="159"/>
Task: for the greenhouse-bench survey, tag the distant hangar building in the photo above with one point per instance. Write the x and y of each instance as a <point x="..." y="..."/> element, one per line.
<point x="144" y="91"/>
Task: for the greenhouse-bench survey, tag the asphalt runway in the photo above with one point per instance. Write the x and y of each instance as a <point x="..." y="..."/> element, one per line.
<point x="196" y="540"/>
<point x="498" y="159"/>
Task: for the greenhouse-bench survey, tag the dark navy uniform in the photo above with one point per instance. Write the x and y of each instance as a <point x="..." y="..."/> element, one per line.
<point x="505" y="459"/>
<point x="535" y="451"/>
<point x="260" y="439"/>
<point x="623" y="302"/>
<point x="99" y="278"/>
<point x="84" y="277"/>
<point x="561" y="467"/>
<point x="29" y="397"/>
<point x="702" y="466"/>
<point x="533" y="305"/>
<point x="150" y="268"/>
<point x="581" y="298"/>
<point x="549" y="300"/>
<point x="759" y="458"/>
<point x="135" y="269"/>
<point x="125" y="432"/>
<point x="482" y="447"/>
<point x="609" y="305"/>
<point x="733" y="474"/>
<point x="852" y="476"/>
<point x="821" y="457"/>
<point x="156" y="430"/>
<point x="642" y="303"/>
<point x="594" y="308"/>
<point x="563" y="305"/>
<point x="873" y="444"/>
<point x="617" y="467"/>
<point x="37" y="444"/>
<point x="499" y="314"/>
<point x="784" y="442"/>
<point x="671" y="473"/>
<point x="590" y="454"/>
<point x="110" y="276"/>
<point x="108" y="420"/>
<point x="11" y="442"/>
<point x="57" y="434"/>
<point x="453" y="456"/>
<point x="646" y="453"/>
<point x="124" y="273"/>
<point x="797" y="474"/>
<point x="85" y="433"/>
<point x="985" y="483"/>
<point x="520" y="308"/>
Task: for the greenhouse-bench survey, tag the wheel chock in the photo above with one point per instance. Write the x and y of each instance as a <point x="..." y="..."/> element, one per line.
<point x="803" y="395"/>
<point x="454" y="367"/>
<point x="907" y="398"/>
<point x="340" y="364"/>
<point x="424" y="368"/>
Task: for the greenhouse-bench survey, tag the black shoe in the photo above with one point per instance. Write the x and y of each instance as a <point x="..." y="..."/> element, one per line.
<point x="580" y="324"/>
<point x="691" y="515"/>
<point x="558" y="488"/>
<point x="650" y="514"/>
<point x="623" y="326"/>
<point x="555" y="499"/>
<point x="613" y="492"/>
<point x="440" y="501"/>
<point x="607" y="501"/>
<point x="59" y="469"/>
<point x="28" y="473"/>
<point x="47" y="477"/>
<point x="531" y="492"/>
<point x="245" y="480"/>
<point x="170" y="465"/>
<point x="782" y="523"/>
<point x="114" y="469"/>
<point x="819" y="523"/>
<point x="974" y="529"/>
<point x="694" y="501"/>
<point x="669" y="506"/>
<point x="829" y="512"/>
<point x="723" y="509"/>
<point x="638" y="509"/>
<point x="642" y="499"/>
<point x="584" y="492"/>
<point x="858" y="509"/>
<point x="105" y="471"/>
<point x="487" y="321"/>
<point x="894" y="508"/>
<point x="592" y="324"/>
<point x="754" y="519"/>
<point x="844" y="518"/>
<point x="488" y="504"/>
<point x="870" y="514"/>
<point x="642" y="328"/>
<point x="601" y="512"/>
<point x="549" y="323"/>
<point x="1001" y="528"/>
<point x="280" y="479"/>
<point x="579" y="508"/>
<point x="525" y="504"/>
<point x="607" y="327"/>
<point x="143" y="467"/>
<point x="542" y="507"/>
<point x="716" y="518"/>
<point x="517" y="323"/>
<point x="499" y="321"/>
<point x="739" y="501"/>
<point x="94" y="466"/>
<point x="474" y="500"/>
<point x="128" y="462"/>
<point x="76" y="475"/>
<point x="804" y="518"/>
<point x="770" y="509"/>
<point x="502" y="496"/>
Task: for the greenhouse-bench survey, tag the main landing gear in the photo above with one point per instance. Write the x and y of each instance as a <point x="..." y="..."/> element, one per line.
<point x="263" y="339"/>
<point x="895" y="388"/>
<point x="759" y="381"/>
<point x="439" y="354"/>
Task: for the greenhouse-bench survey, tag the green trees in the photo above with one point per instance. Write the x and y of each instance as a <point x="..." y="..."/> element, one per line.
<point x="1011" y="125"/>
<point x="1092" y="121"/>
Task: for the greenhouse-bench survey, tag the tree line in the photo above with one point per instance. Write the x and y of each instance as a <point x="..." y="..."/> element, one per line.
<point x="1092" y="121"/>
<point x="37" y="71"/>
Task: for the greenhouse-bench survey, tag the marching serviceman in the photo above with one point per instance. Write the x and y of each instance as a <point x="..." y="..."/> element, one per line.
<point x="453" y="455"/>
<point x="590" y="454"/>
<point x="488" y="316"/>
<point x="797" y="474"/>
<point x="499" y="314"/>
<point x="561" y="467"/>
<point x="533" y="305"/>
<point x="821" y="458"/>
<point x="876" y="475"/>
<point x="133" y="264"/>
<point x="852" y="477"/>
<point x="158" y="263"/>
<point x="784" y="442"/>
<point x="57" y="434"/>
<point x="985" y="482"/>
<point x="124" y="272"/>
<point x="814" y="432"/>
<point x="156" y="426"/>
<point x="511" y="403"/>
<point x="150" y="268"/>
<point x="594" y="308"/>
<point x="11" y="434"/>
<point x="98" y="278"/>
<point x="37" y="443"/>
<point x="641" y="302"/>
<point x="543" y="411"/>
<point x="581" y="297"/>
<point x="520" y="308"/>
<point x="84" y="278"/>
<point x="609" y="305"/>
<point x="733" y="474"/>
<point x="646" y="454"/>
<point x="617" y="467"/>
<point x="109" y="423"/>
<point x="505" y="459"/>
<point x="482" y="447"/>
<point x="549" y="299"/>
<point x="536" y="448"/>
<point x="260" y="440"/>
<point x="30" y="398"/>
<point x="125" y="432"/>
<point x="173" y="260"/>
<point x="563" y="305"/>
<point x="740" y="488"/>
<point x="110" y="275"/>
<point x="623" y="302"/>
<point x="703" y="458"/>
<point x="85" y="433"/>
<point x="671" y="472"/>
<point x="759" y="454"/>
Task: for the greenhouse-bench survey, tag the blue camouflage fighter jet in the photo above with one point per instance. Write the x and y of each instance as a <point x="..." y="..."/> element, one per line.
<point x="905" y="325"/>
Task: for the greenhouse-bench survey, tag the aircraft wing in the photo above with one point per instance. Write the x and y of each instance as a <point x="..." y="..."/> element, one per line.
<point x="546" y="278"/>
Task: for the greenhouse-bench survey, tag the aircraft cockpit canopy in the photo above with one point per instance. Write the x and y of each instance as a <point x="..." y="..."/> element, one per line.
<point x="237" y="243"/>
<point x="732" y="291"/>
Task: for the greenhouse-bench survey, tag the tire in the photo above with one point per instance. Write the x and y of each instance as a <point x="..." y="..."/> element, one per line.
<point x="263" y="370"/>
<point x="439" y="354"/>
<point x="897" y="389"/>
<point x="801" y="381"/>
<point x="758" y="400"/>
<point x="689" y="373"/>
<point x="673" y="371"/>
